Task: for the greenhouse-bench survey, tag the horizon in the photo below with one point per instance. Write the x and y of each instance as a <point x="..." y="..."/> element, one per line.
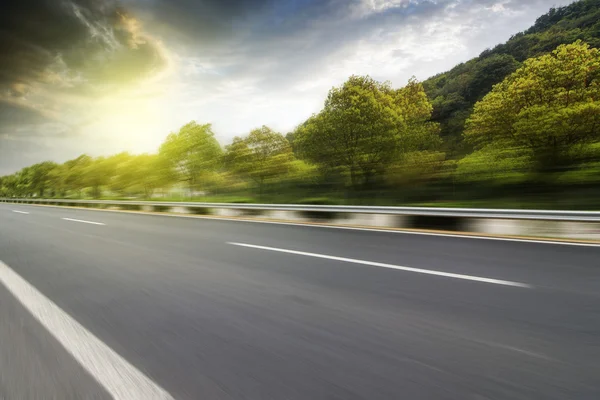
<point x="121" y="77"/>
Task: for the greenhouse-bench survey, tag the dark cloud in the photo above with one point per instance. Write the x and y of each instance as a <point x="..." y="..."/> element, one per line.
<point x="14" y="114"/>
<point x="69" y="43"/>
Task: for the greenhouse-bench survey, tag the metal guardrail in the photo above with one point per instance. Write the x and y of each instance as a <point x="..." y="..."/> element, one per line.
<point x="550" y="215"/>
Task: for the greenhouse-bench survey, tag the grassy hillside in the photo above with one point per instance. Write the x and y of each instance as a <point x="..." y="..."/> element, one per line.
<point x="454" y="93"/>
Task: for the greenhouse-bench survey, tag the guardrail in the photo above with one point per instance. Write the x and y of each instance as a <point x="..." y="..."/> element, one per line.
<point x="554" y="223"/>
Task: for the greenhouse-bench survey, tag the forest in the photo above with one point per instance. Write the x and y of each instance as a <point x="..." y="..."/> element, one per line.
<point x="518" y="127"/>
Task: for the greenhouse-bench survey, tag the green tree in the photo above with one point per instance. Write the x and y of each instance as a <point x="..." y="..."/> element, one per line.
<point x="548" y="106"/>
<point x="262" y="156"/>
<point x="98" y="174"/>
<point x="124" y="173"/>
<point x="40" y="177"/>
<point x="75" y="173"/>
<point x="417" y="167"/>
<point x="57" y="181"/>
<point x="365" y="126"/>
<point x="192" y="152"/>
<point x="24" y="184"/>
<point x="146" y="174"/>
<point x="9" y="184"/>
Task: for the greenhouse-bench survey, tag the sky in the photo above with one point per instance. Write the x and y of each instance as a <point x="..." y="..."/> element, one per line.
<point x="104" y="76"/>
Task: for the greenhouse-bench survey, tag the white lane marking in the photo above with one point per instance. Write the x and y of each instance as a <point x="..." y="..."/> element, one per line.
<point x="391" y="266"/>
<point x="20" y="212"/>
<point x="121" y="379"/>
<point x="85" y="222"/>
<point x="349" y="228"/>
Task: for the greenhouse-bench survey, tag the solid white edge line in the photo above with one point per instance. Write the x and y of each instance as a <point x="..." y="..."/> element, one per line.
<point x="85" y="222"/>
<point x="121" y="379"/>
<point x="390" y="266"/>
<point x="350" y="228"/>
<point x="20" y="212"/>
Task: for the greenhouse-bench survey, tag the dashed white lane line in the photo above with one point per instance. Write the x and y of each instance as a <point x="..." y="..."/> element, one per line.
<point x="83" y="221"/>
<point x="20" y="212"/>
<point x="121" y="379"/>
<point x="391" y="266"/>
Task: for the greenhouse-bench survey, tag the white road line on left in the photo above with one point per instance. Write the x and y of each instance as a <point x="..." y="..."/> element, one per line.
<point x="20" y="212"/>
<point x="85" y="222"/>
<point x="121" y="379"/>
<point x="391" y="266"/>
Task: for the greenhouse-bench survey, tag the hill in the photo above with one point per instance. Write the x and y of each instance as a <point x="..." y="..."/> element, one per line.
<point x="454" y="93"/>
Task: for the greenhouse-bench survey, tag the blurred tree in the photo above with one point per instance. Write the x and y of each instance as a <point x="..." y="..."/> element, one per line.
<point x="124" y="173"/>
<point x="496" y="164"/>
<point x="547" y="106"/>
<point x="57" y="181"/>
<point x="191" y="152"/>
<point x="357" y="130"/>
<point x="9" y="184"/>
<point x="75" y="173"/>
<point x="98" y="174"/>
<point x="40" y="177"/>
<point x="263" y="155"/>
<point x="366" y="125"/>
<point x="149" y="174"/>
<point x="415" y="168"/>
<point x="24" y="182"/>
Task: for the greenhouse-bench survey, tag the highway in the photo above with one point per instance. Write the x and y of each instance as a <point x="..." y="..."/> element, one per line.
<point x="99" y="305"/>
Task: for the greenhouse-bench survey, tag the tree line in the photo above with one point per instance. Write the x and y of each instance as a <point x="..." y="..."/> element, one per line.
<point x="371" y="142"/>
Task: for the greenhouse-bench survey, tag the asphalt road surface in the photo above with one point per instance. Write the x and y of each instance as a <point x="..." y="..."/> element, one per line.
<point x="101" y="305"/>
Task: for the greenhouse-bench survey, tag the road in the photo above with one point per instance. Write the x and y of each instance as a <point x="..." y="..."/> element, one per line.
<point x="98" y="304"/>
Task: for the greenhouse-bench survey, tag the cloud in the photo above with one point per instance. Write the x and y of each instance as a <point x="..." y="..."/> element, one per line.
<point x="80" y="40"/>
<point x="119" y="75"/>
<point x="54" y="50"/>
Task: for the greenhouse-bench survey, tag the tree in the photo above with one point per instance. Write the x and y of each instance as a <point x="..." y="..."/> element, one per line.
<point x="40" y="177"/>
<point x="124" y="176"/>
<point x="75" y="173"/>
<point x="415" y="168"/>
<point x="366" y="125"/>
<point x="356" y="130"/>
<point x="57" y="180"/>
<point x="148" y="174"/>
<point x="263" y="155"/>
<point x="191" y="152"/>
<point x="9" y="184"/>
<point x="24" y="186"/>
<point x="548" y="106"/>
<point x="97" y="174"/>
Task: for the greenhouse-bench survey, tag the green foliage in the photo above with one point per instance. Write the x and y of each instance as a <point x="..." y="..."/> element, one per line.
<point x="454" y="93"/>
<point x="364" y="126"/>
<point x="97" y="174"/>
<point x="75" y="179"/>
<point x="191" y="152"/>
<point x="262" y="156"/>
<point x="495" y="164"/>
<point x="415" y="168"/>
<point x="546" y="107"/>
<point x="139" y="175"/>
